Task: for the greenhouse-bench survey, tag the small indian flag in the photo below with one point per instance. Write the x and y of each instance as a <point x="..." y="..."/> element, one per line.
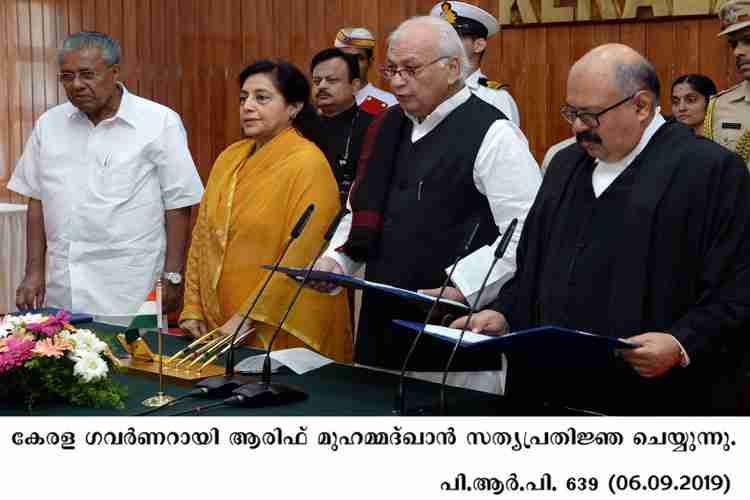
<point x="148" y="314"/>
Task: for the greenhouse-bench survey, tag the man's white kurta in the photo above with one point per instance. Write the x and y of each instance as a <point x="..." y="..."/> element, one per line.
<point x="104" y="191"/>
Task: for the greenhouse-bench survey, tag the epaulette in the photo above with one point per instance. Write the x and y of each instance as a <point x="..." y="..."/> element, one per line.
<point x="726" y="90"/>
<point x="373" y="105"/>
<point x="708" y="119"/>
<point x="491" y="84"/>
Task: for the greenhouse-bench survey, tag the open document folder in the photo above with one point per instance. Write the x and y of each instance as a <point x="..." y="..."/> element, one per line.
<point x="447" y="306"/>
<point x="550" y="346"/>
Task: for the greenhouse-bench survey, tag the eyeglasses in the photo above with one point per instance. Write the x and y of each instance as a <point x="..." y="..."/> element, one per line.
<point x="87" y="75"/>
<point x="591" y="120"/>
<point x="408" y="72"/>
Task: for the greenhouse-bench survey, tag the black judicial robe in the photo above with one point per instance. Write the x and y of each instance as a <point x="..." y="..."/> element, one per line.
<point x="431" y="205"/>
<point x="666" y="248"/>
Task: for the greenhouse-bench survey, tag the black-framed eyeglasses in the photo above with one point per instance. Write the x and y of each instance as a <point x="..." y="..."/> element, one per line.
<point x="408" y="73"/>
<point x="590" y="119"/>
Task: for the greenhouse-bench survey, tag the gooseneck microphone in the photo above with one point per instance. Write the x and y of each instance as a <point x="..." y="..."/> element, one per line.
<point x="499" y="253"/>
<point x="222" y="385"/>
<point x="263" y="392"/>
<point x="399" y="404"/>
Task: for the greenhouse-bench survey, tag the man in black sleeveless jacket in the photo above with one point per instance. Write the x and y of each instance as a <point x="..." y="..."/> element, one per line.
<point x="641" y="230"/>
<point x="430" y="168"/>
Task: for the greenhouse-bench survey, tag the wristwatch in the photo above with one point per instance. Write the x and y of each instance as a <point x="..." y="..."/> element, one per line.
<point x="173" y="278"/>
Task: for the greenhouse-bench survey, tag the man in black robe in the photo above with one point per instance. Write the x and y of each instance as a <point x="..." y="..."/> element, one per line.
<point x="641" y="231"/>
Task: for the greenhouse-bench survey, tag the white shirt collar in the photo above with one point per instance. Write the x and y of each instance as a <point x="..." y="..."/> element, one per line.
<point x="472" y="81"/>
<point x="420" y="129"/>
<point x="125" y="112"/>
<point x="606" y="172"/>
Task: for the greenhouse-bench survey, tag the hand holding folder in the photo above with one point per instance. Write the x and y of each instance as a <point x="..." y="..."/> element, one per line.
<point x="520" y="338"/>
<point x="545" y="344"/>
<point x="358" y="283"/>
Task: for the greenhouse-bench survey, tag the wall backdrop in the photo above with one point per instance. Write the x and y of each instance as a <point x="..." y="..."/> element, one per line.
<point x="187" y="53"/>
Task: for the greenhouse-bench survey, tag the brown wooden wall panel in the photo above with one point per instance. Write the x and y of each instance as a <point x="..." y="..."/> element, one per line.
<point x="187" y="54"/>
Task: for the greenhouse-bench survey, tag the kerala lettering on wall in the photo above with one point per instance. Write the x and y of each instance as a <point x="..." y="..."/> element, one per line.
<point x="516" y="12"/>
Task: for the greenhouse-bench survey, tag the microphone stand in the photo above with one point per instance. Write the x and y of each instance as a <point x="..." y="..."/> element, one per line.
<point x="263" y="392"/>
<point x="499" y="252"/>
<point x="400" y="402"/>
<point x="222" y="385"/>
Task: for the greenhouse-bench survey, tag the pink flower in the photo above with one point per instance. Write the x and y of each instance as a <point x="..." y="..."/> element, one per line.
<point x="50" y="326"/>
<point x="54" y="347"/>
<point x="18" y="351"/>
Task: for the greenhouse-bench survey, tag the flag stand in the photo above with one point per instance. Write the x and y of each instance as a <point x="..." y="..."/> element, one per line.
<point x="160" y="399"/>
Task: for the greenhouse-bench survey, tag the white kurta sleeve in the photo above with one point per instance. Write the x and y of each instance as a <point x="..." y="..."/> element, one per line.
<point x="25" y="178"/>
<point x="180" y="183"/>
<point x="348" y="265"/>
<point x="507" y="174"/>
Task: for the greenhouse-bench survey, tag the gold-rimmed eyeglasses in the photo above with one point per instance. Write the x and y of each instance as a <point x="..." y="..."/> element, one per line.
<point x="407" y="72"/>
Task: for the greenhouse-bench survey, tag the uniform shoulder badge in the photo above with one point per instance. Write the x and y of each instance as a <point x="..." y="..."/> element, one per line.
<point x="726" y="91"/>
<point x="448" y="13"/>
<point x="491" y="84"/>
<point x="373" y="105"/>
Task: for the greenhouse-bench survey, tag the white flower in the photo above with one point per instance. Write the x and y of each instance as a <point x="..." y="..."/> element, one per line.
<point x="10" y="323"/>
<point x="5" y="329"/>
<point x="86" y="340"/>
<point x="89" y="366"/>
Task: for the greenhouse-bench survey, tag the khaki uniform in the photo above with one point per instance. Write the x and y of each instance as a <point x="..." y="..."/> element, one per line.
<point x="728" y="119"/>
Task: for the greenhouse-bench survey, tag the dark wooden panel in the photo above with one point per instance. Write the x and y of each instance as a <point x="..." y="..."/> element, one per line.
<point x="187" y="54"/>
<point x="88" y="12"/>
<point x="536" y="88"/>
<point x="559" y="55"/>
<point x="634" y="35"/>
<point x="660" y="48"/>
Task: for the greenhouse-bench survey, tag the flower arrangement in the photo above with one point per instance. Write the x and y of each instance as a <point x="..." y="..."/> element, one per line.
<point x="45" y="357"/>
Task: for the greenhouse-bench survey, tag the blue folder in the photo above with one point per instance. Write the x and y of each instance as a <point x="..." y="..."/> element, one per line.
<point x="550" y="347"/>
<point x="521" y="339"/>
<point x="448" y="306"/>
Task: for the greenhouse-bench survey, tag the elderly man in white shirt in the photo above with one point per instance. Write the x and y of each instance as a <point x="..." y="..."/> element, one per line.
<point x="453" y="161"/>
<point x="110" y="182"/>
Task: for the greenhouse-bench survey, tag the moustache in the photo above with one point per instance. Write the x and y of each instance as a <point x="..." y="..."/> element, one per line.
<point x="741" y="60"/>
<point x="322" y="94"/>
<point x="588" y="136"/>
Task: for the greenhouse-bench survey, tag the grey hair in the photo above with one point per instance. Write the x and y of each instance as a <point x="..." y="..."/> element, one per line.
<point x="630" y="78"/>
<point x="76" y="42"/>
<point x="449" y="43"/>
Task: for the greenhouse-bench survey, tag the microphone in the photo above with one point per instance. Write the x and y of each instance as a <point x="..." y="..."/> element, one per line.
<point x="398" y="407"/>
<point x="263" y="392"/>
<point x="222" y="385"/>
<point x="499" y="252"/>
